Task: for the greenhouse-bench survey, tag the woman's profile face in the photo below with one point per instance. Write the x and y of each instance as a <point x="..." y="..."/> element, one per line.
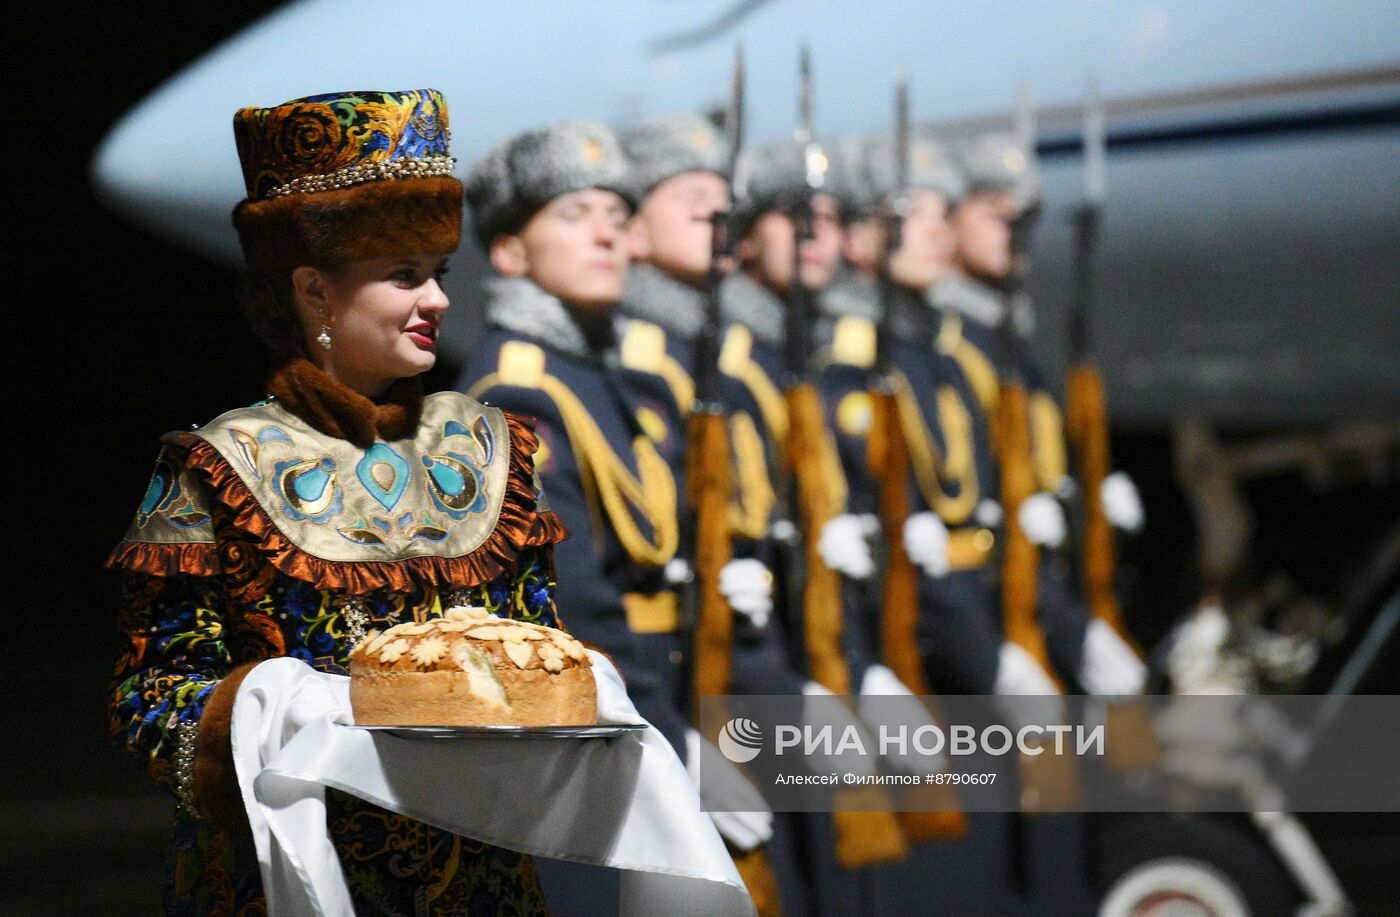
<point x="383" y="316"/>
<point x="574" y="248"/>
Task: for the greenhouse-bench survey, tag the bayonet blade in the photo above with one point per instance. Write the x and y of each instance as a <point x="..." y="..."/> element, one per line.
<point x="901" y="139"/>
<point x="1025" y="130"/>
<point x="1095" y="146"/>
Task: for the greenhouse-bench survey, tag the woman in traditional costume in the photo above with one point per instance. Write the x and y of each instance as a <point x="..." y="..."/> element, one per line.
<point x="344" y="502"/>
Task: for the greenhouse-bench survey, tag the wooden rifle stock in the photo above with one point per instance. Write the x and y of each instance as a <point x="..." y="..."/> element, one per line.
<point x="1020" y="558"/>
<point x="707" y="490"/>
<point x="1086" y="424"/>
<point x="863" y="838"/>
<point x="815" y="472"/>
<point x="888" y="457"/>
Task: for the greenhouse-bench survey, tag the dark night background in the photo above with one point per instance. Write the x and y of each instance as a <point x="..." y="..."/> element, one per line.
<point x="123" y="337"/>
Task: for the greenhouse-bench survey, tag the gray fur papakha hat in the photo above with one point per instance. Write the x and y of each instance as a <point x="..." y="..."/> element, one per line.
<point x="867" y="175"/>
<point x="671" y="146"/>
<point x="774" y="177"/>
<point x="997" y="161"/>
<point x="511" y="183"/>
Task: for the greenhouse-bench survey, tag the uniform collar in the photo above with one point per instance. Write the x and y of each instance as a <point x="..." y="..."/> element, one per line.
<point x="337" y="410"/>
<point x="521" y="307"/>
<point x="852" y="294"/>
<point x="757" y="308"/>
<point x="656" y="297"/>
<point x="980" y="302"/>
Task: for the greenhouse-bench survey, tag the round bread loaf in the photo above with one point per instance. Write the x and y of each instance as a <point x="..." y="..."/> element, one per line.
<point x="470" y="668"/>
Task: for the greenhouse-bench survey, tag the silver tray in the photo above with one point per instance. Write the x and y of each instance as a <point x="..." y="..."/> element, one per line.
<point x="609" y="731"/>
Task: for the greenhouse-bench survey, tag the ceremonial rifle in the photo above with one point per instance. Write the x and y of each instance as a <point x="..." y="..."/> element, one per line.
<point x="888" y="456"/>
<point x="707" y="458"/>
<point x="708" y="493"/>
<point x="1086" y="414"/>
<point x="888" y="450"/>
<point x="1048" y="781"/>
<point x="863" y="838"/>
<point x="1020" y="557"/>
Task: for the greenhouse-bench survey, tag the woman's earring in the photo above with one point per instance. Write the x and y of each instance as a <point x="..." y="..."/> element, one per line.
<point x="324" y="338"/>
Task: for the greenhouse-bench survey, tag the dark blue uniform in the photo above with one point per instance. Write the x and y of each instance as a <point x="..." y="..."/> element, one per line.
<point x="1064" y="617"/>
<point x="960" y="622"/>
<point x="606" y="597"/>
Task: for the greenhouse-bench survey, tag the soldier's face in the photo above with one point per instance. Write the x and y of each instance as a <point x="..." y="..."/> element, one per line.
<point x="925" y="249"/>
<point x="982" y="225"/>
<point x="926" y="246"/>
<point x="382" y="316"/>
<point x="672" y="230"/>
<point x="573" y="248"/>
<point x="766" y="252"/>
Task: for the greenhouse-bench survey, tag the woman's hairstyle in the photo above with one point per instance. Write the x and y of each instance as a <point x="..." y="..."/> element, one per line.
<point x="269" y="304"/>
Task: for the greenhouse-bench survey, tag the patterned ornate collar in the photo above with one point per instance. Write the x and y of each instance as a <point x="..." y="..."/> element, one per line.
<point x="656" y="297"/>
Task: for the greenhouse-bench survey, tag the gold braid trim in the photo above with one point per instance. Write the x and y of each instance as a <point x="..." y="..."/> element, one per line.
<point x="653" y="495"/>
<point x="679" y="381"/>
<point x="644" y="348"/>
<point x="754" y="498"/>
<point x="607" y="476"/>
<point x="957" y="468"/>
<point x="980" y="372"/>
<point x="735" y="362"/>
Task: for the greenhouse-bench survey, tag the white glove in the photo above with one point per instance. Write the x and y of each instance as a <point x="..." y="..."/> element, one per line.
<point x="898" y="706"/>
<point x="726" y="787"/>
<point x="748" y="586"/>
<point x="1019" y="673"/>
<point x="926" y="543"/>
<point x="1122" y="505"/>
<point x="1042" y="520"/>
<point x="843" y="547"/>
<point x="824" y="709"/>
<point x="678" y="571"/>
<point x="988" y="513"/>
<point x="1110" y="666"/>
<point x="1027" y="695"/>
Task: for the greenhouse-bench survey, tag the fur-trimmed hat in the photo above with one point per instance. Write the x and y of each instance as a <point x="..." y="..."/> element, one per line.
<point x="338" y="177"/>
<point x="671" y="146"/>
<point x="511" y="183"/>
<point x="775" y="177"/>
<point x="869" y="172"/>
<point x="998" y="161"/>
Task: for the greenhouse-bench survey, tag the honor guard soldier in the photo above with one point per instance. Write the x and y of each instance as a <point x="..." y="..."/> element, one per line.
<point x="790" y="237"/>
<point x="987" y="328"/>
<point x="976" y="299"/>
<point x="947" y="532"/>
<point x="550" y="207"/>
<point x="679" y="163"/>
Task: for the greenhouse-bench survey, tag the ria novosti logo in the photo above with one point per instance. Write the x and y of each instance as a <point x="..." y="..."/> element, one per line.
<point x="740" y="740"/>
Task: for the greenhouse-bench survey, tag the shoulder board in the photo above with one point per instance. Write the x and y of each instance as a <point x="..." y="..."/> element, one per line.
<point x="853" y="341"/>
<point x="949" y="332"/>
<point x="643" y="346"/>
<point x="520" y="363"/>
<point x="734" y="354"/>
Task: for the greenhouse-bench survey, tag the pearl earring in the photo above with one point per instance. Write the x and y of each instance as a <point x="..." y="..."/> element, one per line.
<point x="324" y="338"/>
